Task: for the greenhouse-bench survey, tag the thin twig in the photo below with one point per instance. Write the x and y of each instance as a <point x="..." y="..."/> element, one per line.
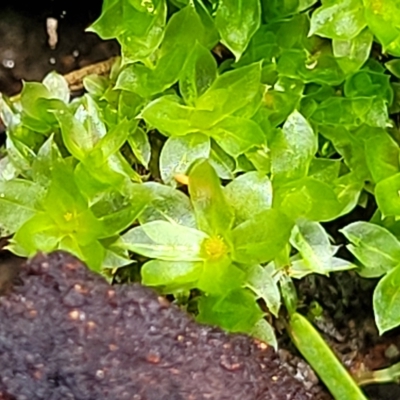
<point x="386" y="375"/>
<point x="75" y="78"/>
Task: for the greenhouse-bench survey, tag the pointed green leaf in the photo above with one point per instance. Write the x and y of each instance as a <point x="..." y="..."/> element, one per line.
<point x="351" y="54"/>
<point x="144" y="33"/>
<point x="139" y="142"/>
<point x="308" y="198"/>
<point x="236" y="311"/>
<point x="314" y="247"/>
<point x="129" y="106"/>
<point x="351" y="113"/>
<point x="278" y="9"/>
<point x="20" y="155"/>
<point x="139" y="27"/>
<point x="213" y="213"/>
<point x="387" y="194"/>
<point x="237" y="21"/>
<point x="232" y="91"/>
<point x="220" y="276"/>
<point x="384" y="21"/>
<point x="117" y="212"/>
<point x="198" y="73"/>
<point x="348" y="189"/>
<point x="374" y="246"/>
<point x="39" y="233"/>
<point x="96" y="85"/>
<point x="18" y="203"/>
<point x="260" y="239"/>
<point x="7" y="169"/>
<point x="76" y="138"/>
<point x="321" y="68"/>
<point x="211" y="35"/>
<point x="312" y="242"/>
<point x="248" y="195"/>
<point x="350" y="145"/>
<point x="222" y="162"/>
<point x="115" y="257"/>
<point x="168" y="204"/>
<point x="264" y="331"/>
<point x="178" y="153"/>
<point x="263" y="281"/>
<point x="113" y="140"/>
<point x="341" y="19"/>
<point x="394" y="67"/>
<point x="184" y="28"/>
<point x="299" y="269"/>
<point x="47" y="156"/>
<point x="89" y="115"/>
<point x="382" y="155"/>
<point x="170" y="117"/>
<point x="237" y="135"/>
<point x="366" y="83"/>
<point x="386" y="301"/>
<point x="38" y="105"/>
<point x="293" y="148"/>
<point x="10" y="116"/>
<point x="57" y="86"/>
<point x="109" y="26"/>
<point x="325" y="170"/>
<point x="172" y="275"/>
<point x="166" y="241"/>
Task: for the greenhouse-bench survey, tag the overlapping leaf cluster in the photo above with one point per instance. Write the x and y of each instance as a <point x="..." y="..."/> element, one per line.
<point x="291" y="127"/>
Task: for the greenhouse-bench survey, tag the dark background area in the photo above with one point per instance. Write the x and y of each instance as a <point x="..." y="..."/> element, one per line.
<point x="76" y="9"/>
<point x="24" y="49"/>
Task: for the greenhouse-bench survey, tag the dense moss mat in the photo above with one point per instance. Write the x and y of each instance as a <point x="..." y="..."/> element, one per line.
<point x="65" y="333"/>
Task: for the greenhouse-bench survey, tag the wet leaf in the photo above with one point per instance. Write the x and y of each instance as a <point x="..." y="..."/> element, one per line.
<point x="375" y="247"/>
<point x="386" y="301"/>
<point x="198" y="73"/>
<point x="263" y="281"/>
<point x="237" y="22"/>
<point x="248" y="195"/>
<point x="341" y="19"/>
<point x="168" y="204"/>
<point x="180" y="152"/>
<point x="214" y="215"/>
<point x="171" y="274"/>
<point x="260" y="239"/>
<point x="384" y="21"/>
<point x="236" y="311"/>
<point x="293" y="148"/>
<point x="387" y="195"/>
<point x="18" y="203"/>
<point x="165" y="241"/>
<point x="351" y="54"/>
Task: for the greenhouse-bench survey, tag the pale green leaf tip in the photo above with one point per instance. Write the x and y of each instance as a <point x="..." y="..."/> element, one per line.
<point x="237" y="56"/>
<point x="381" y="329"/>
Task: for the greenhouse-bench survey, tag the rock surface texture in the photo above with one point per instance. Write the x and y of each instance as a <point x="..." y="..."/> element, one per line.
<point x="65" y="333"/>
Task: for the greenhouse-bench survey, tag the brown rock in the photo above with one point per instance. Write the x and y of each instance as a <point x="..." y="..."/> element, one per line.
<point x="66" y="334"/>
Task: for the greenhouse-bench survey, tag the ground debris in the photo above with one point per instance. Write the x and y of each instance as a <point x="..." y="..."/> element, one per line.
<point x="65" y="333"/>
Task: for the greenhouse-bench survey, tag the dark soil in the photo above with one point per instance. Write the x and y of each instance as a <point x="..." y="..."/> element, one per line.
<point x="347" y="324"/>
<point x="65" y="333"/>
